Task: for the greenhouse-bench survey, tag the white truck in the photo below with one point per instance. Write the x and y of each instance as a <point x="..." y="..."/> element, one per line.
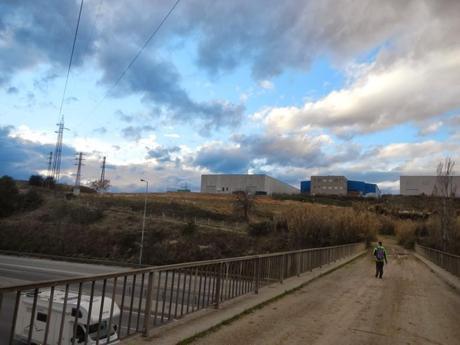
<point x="106" y="336"/>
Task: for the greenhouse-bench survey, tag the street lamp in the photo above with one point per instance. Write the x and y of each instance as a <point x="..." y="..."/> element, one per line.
<point x="143" y="219"/>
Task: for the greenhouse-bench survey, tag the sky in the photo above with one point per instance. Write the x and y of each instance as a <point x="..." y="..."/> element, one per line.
<point x="368" y="89"/>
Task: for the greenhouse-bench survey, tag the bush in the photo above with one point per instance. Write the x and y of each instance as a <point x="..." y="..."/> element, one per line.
<point x="320" y="226"/>
<point x="387" y="226"/>
<point x="76" y="213"/>
<point x="9" y="196"/>
<point x="405" y="233"/>
<point x="36" y="180"/>
<point x="31" y="200"/>
<point x="260" y="229"/>
<point x="189" y="229"/>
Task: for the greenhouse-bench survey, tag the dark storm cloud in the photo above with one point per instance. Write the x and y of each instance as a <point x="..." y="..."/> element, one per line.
<point x="162" y="154"/>
<point x="41" y="31"/>
<point x="159" y="82"/>
<point x="21" y="158"/>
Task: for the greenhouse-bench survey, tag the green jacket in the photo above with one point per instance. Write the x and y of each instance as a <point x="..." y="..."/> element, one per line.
<point x="384" y="254"/>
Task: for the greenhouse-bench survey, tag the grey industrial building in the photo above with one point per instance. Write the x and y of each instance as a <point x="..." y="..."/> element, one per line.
<point x="338" y="185"/>
<point x="425" y="185"/>
<point x="253" y="184"/>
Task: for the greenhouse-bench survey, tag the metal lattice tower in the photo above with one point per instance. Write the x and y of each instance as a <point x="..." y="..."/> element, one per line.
<point x="78" y="164"/>
<point x="103" y="171"/>
<point x="58" y="151"/>
<point x="50" y="164"/>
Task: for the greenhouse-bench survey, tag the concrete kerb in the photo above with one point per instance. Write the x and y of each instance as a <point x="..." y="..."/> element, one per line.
<point x="200" y="323"/>
<point x="448" y="277"/>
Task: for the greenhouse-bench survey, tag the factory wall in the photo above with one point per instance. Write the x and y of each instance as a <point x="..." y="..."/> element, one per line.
<point x="424" y="185"/>
<point x="254" y="184"/>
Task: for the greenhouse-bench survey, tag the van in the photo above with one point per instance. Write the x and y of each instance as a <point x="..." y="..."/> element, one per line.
<point x="41" y="317"/>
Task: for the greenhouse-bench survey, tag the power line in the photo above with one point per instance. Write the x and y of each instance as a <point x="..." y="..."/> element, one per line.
<point x="58" y="149"/>
<point x="71" y="58"/>
<point x="133" y="60"/>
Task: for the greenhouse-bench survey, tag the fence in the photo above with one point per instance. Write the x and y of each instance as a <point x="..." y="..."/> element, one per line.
<point x="449" y="262"/>
<point x="102" y="308"/>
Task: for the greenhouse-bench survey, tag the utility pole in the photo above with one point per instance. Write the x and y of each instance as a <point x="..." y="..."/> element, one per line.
<point x="50" y="162"/>
<point x="103" y="170"/>
<point x="76" y="189"/>
<point x="102" y="180"/>
<point x="143" y="220"/>
<point x="58" y="150"/>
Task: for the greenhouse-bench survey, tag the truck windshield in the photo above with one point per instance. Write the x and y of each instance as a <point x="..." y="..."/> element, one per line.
<point x="103" y="330"/>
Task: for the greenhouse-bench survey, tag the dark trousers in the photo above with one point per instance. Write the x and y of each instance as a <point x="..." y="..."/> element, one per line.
<point x="379" y="269"/>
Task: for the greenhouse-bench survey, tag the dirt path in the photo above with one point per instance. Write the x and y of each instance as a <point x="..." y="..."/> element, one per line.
<point x="410" y="305"/>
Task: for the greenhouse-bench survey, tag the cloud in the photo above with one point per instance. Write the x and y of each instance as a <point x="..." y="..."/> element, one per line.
<point x="163" y="154"/>
<point x="100" y="130"/>
<point x="222" y="159"/>
<point x="12" y="90"/>
<point x="136" y="132"/>
<point x="124" y="117"/>
<point x="381" y="97"/>
<point x="266" y="84"/>
<point x="27" y="37"/>
<point x="158" y="82"/>
<point x="21" y="158"/>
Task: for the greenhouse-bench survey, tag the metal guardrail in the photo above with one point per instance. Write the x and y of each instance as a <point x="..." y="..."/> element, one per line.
<point x="449" y="262"/>
<point x="100" y="309"/>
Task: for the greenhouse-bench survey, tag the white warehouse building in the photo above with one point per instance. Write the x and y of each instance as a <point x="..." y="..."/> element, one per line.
<point x="253" y="184"/>
<point x="424" y="185"/>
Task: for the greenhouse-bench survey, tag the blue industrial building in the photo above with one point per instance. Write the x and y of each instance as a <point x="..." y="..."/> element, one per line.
<point x="353" y="188"/>
<point x="305" y="187"/>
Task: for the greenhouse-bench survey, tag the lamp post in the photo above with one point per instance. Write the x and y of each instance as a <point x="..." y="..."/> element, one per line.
<point x="143" y="219"/>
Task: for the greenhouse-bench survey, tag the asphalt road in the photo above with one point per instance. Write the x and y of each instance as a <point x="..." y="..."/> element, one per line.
<point x="22" y="270"/>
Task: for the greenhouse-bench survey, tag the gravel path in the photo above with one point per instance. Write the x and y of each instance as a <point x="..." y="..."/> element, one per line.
<point x="410" y="305"/>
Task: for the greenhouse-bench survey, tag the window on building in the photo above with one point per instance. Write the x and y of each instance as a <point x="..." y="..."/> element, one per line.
<point x="42" y="317"/>
<point x="223" y="189"/>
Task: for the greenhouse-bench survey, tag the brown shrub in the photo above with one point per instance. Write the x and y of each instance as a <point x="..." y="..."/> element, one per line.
<point x="406" y="233"/>
<point x="321" y="226"/>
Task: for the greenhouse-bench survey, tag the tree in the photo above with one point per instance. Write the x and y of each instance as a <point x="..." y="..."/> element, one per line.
<point x="445" y="189"/>
<point x="9" y="196"/>
<point x="36" y="180"/>
<point x="100" y="186"/>
<point x="244" y="203"/>
<point x="49" y="182"/>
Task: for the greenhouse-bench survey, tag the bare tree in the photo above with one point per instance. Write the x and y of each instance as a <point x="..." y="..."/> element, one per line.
<point x="445" y="189"/>
<point x="100" y="186"/>
<point x="244" y="203"/>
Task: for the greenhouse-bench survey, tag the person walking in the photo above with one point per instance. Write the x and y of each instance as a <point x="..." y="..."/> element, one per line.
<point x="380" y="255"/>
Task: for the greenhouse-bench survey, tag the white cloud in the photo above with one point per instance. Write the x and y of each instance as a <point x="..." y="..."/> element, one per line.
<point x="37" y="136"/>
<point x="427" y="129"/>
<point x="381" y="97"/>
<point x="266" y="84"/>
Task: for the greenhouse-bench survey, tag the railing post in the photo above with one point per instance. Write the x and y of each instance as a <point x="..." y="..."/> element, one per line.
<point x="148" y="305"/>
<point x="257" y="272"/>
<point x="218" y="287"/>
<point x="283" y="260"/>
<point x="298" y="264"/>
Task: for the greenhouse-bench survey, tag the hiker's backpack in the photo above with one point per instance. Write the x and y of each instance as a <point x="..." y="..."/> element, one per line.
<point x="380" y="253"/>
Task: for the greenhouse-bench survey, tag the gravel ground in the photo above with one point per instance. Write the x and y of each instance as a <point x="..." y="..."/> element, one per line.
<point x="410" y="305"/>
